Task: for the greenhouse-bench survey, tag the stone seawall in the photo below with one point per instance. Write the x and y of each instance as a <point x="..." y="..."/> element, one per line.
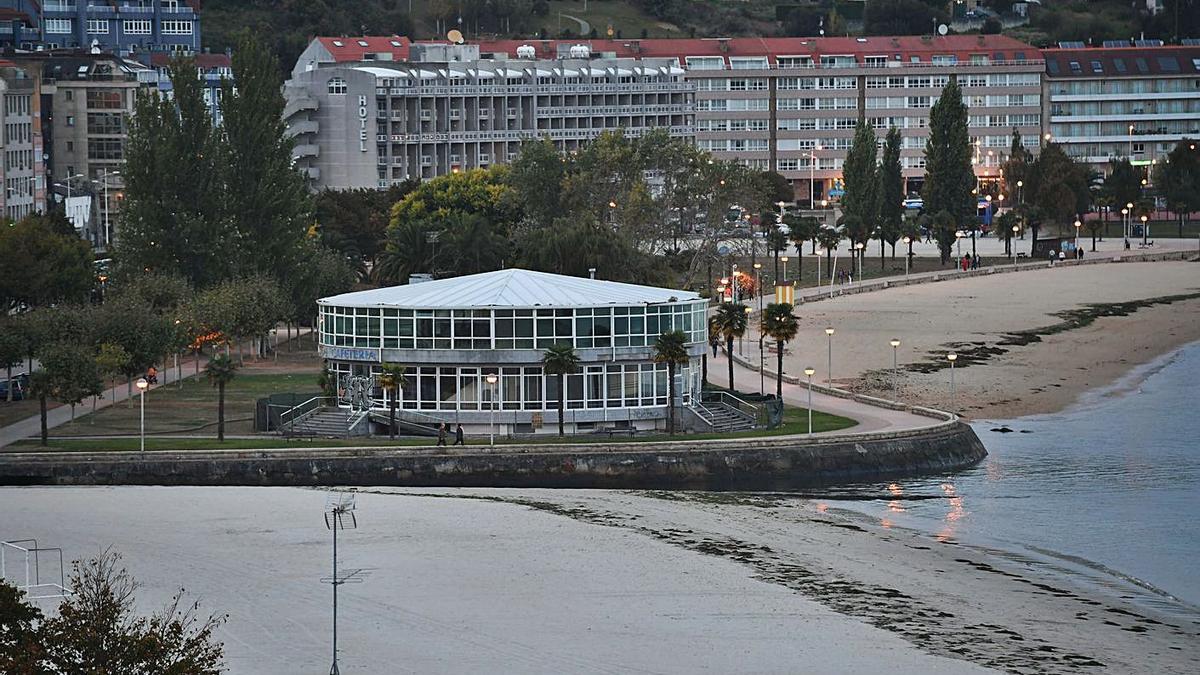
<point x="770" y="463"/>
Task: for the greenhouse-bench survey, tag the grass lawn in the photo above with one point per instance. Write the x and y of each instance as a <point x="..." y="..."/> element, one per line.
<point x="179" y="409"/>
<point x="795" y="421"/>
<point x="19" y="410"/>
<point x="601" y="14"/>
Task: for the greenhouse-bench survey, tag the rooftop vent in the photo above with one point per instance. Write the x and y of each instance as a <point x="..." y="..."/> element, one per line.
<point x="580" y="51"/>
<point x="526" y="52"/>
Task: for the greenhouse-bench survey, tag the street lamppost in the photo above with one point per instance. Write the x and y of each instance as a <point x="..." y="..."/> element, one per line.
<point x="809" y="372"/>
<point x="858" y="254"/>
<point x="895" y="342"/>
<point x="142" y="386"/>
<point x="1077" y="226"/>
<point x="492" y="380"/>
<point x="958" y="237"/>
<point x="952" y="357"/>
<point x="906" y="240"/>
<point x="817" y="254"/>
<point x="829" y="372"/>
<point x="784" y="259"/>
<point x="1145" y="230"/>
<point x="812" y="178"/>
<point x="1129" y="228"/>
<point x="1131" y="141"/>
<point x="1012" y="250"/>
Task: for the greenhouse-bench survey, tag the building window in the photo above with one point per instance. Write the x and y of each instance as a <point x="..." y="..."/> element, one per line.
<point x="106" y="149"/>
<point x="106" y="123"/>
<point x="97" y="26"/>
<point x="337" y="86"/>
<point x="58" y="26"/>
<point x="104" y="99"/>
<point x="177" y="27"/>
<point x="137" y="27"/>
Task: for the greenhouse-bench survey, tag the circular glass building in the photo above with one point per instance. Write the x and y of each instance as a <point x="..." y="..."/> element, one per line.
<point x="473" y="348"/>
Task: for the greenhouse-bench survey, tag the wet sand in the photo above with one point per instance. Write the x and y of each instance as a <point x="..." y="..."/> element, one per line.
<point x="545" y="581"/>
<point x="1028" y="343"/>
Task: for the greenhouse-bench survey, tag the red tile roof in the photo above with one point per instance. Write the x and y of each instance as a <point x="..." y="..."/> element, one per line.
<point x="353" y="49"/>
<point x="907" y="46"/>
<point x="1122" y="61"/>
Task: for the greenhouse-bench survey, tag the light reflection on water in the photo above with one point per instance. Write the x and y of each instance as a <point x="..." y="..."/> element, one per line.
<point x="1108" y="490"/>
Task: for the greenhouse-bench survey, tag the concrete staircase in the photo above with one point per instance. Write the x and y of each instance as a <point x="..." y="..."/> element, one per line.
<point x="327" y="423"/>
<point x="723" y="417"/>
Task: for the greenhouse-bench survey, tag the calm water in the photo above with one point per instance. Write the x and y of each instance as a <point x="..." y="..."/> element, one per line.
<point x="1107" y="491"/>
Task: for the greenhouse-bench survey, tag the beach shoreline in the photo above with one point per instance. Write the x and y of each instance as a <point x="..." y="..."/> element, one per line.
<point x="1027" y="344"/>
<point x="489" y="580"/>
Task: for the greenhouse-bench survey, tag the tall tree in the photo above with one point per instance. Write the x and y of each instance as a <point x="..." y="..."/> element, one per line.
<point x="671" y="348"/>
<point x="891" y="193"/>
<point x="391" y="380"/>
<point x="801" y="229"/>
<point x="13" y="349"/>
<point x="781" y="325"/>
<point x="40" y="265"/>
<point x="265" y="198"/>
<point x="172" y="216"/>
<point x="1178" y="178"/>
<point x="220" y="370"/>
<point x="1060" y="191"/>
<point x="731" y="323"/>
<point x="560" y="360"/>
<point x="949" y="176"/>
<point x="861" y="197"/>
<point x="71" y="374"/>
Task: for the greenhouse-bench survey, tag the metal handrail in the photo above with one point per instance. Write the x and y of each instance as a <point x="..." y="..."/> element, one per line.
<point x="756" y="414"/>
<point x="310" y="407"/>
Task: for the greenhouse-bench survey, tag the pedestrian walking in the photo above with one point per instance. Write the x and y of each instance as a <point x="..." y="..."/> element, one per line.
<point x="713" y="343"/>
<point x="458" y="435"/>
<point x="442" y="434"/>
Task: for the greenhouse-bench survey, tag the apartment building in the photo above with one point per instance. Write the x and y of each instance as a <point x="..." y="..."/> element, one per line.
<point x="120" y="27"/>
<point x="213" y="69"/>
<point x="372" y="111"/>
<point x="791" y="104"/>
<point x="1109" y="102"/>
<point x="22" y="169"/>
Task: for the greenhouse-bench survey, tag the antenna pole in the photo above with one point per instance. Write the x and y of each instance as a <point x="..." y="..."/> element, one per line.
<point x="334" y="670"/>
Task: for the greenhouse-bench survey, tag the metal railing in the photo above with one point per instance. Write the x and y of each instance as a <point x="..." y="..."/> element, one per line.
<point x="298" y="413"/>
<point x="754" y="413"/>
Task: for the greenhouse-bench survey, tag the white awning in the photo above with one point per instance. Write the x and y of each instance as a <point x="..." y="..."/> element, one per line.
<point x="426" y="74"/>
<point x="509" y="72"/>
<point x="622" y="71"/>
<point x="674" y="70"/>
<point x="543" y="73"/>
<point x="458" y="73"/>
<point x="484" y="74"/>
<point x="567" y="72"/>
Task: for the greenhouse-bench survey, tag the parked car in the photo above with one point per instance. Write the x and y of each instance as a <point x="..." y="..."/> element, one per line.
<point x="20" y="385"/>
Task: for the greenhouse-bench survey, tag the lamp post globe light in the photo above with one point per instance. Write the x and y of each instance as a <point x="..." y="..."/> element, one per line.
<point x="492" y="380"/>
<point x="142" y="386"/>
<point x="829" y="373"/>
<point x="1145" y="230"/>
<point x="784" y="259"/>
<point x="859" y="248"/>
<point x="906" y="240"/>
<point x="1077" y="226"/>
<point x="895" y="343"/>
<point x="817" y="254"/>
<point x="952" y="357"/>
<point x="1012" y="251"/>
<point x="809" y="373"/>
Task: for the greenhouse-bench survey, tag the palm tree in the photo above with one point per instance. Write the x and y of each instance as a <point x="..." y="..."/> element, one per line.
<point x="560" y="360"/>
<point x="730" y="321"/>
<point x="779" y="323"/>
<point x="391" y="378"/>
<point x="671" y="348"/>
<point x="801" y="229"/>
<point x="220" y="370"/>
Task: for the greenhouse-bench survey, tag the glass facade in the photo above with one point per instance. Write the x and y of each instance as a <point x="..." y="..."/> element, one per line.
<point x="465" y="388"/>
<point x="463" y="329"/>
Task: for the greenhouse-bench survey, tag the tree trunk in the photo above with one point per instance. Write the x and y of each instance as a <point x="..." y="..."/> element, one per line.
<point x="729" y="354"/>
<point x="882" y="258"/>
<point x="562" y="404"/>
<point x="671" y="398"/>
<point x="779" y="371"/>
<point x="704" y="368"/>
<point x="1093" y="241"/>
<point x="45" y="429"/>
<point x="800" y="265"/>
<point x="220" y="411"/>
<point x="392" y="417"/>
<point x="10" y="382"/>
<point x="776" y="262"/>
<point x="128" y="390"/>
<point x="72" y="413"/>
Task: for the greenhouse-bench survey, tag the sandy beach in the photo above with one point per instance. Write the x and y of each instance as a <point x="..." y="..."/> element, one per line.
<point x="1028" y="343"/>
<point x="543" y="581"/>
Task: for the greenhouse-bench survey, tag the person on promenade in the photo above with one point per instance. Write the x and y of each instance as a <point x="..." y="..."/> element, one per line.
<point x="152" y="375"/>
<point x="714" y="342"/>
<point x="442" y="434"/>
<point x="458" y="435"/>
<point x="1062" y="256"/>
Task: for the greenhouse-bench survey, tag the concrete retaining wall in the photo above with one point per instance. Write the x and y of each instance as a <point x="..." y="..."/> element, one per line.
<point x="770" y="463"/>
